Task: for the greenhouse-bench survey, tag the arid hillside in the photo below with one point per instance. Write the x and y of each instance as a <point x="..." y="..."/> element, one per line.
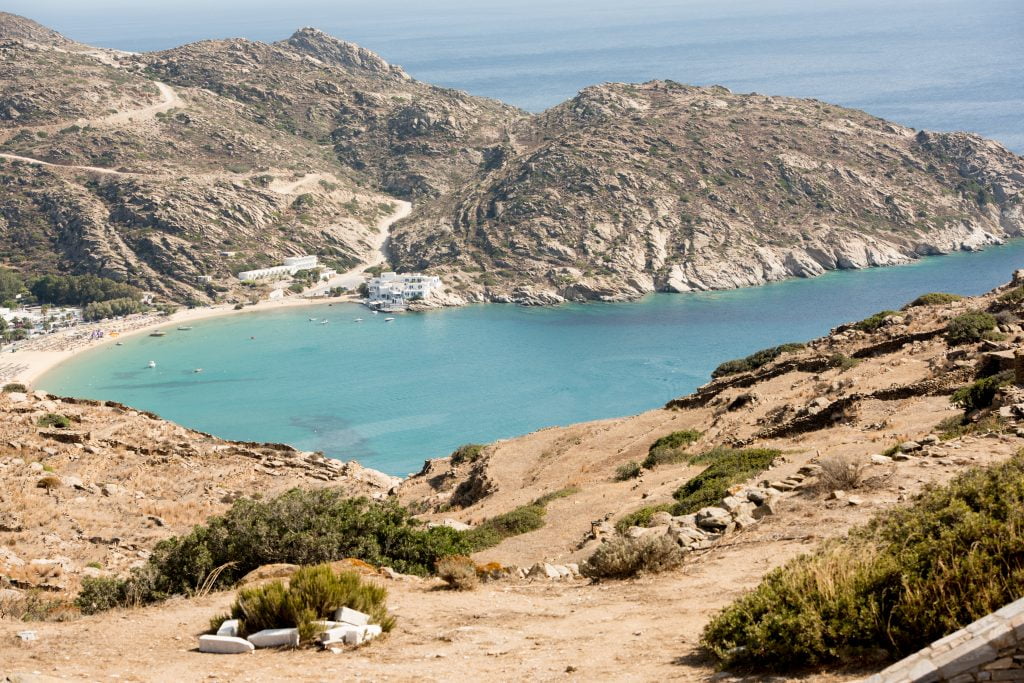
<point x="873" y="395"/>
<point x="627" y="189"/>
<point x="148" y="167"/>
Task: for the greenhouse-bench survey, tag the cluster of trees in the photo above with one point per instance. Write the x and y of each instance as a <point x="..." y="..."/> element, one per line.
<point x="98" y="310"/>
<point x="81" y="290"/>
<point x="11" y="285"/>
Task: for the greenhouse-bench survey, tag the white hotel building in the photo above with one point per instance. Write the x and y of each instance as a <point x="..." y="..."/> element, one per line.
<point x="393" y="292"/>
<point x="292" y="265"/>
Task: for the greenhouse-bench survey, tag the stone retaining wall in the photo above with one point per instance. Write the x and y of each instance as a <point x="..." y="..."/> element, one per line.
<point x="990" y="649"/>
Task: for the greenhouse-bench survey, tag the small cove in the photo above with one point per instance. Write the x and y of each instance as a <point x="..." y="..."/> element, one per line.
<point x="392" y="394"/>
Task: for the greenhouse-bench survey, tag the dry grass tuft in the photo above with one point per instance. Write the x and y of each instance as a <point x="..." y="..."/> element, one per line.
<point x="840" y="473"/>
<point x="458" y="571"/>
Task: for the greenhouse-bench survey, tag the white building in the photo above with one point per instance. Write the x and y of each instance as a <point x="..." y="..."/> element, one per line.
<point x="292" y="265"/>
<point x="393" y="292"/>
<point x="301" y="262"/>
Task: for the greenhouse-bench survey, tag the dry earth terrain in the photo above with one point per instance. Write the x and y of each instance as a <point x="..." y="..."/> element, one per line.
<point x="647" y="628"/>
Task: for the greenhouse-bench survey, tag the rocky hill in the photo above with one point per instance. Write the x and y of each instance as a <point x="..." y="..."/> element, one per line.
<point x="146" y="167"/>
<point x="627" y="189"/>
<point x="96" y="484"/>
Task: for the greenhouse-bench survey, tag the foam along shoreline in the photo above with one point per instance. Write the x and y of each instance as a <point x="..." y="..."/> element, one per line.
<point x="39" y="362"/>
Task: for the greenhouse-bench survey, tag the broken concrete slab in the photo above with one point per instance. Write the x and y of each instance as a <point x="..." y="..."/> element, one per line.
<point x="225" y="645"/>
<point x="228" y="628"/>
<point x="275" y="637"/>
<point x="347" y="615"/>
<point x="336" y="635"/>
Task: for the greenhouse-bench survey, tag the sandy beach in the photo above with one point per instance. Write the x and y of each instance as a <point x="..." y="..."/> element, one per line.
<point x="35" y="358"/>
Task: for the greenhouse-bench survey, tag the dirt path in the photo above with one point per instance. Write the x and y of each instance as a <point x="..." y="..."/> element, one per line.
<point x="40" y="162"/>
<point x="169" y="99"/>
<point x="378" y="251"/>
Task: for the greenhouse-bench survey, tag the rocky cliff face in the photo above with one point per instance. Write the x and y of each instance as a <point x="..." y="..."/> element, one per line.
<point x="627" y="189"/>
<point x="160" y="162"/>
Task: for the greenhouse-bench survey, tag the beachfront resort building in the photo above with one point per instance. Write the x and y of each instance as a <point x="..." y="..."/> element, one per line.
<point x="291" y="265"/>
<point x="393" y="292"/>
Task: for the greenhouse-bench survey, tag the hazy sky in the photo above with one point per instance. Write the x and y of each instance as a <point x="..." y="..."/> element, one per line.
<point x="939" y="64"/>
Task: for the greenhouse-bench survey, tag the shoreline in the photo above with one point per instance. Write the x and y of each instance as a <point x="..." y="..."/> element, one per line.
<point x="39" y="362"/>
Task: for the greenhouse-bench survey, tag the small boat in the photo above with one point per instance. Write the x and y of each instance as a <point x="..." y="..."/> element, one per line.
<point x="324" y="321"/>
<point x="151" y="364"/>
<point x="388" y="320"/>
<point x="119" y="344"/>
<point x="184" y="328"/>
<point x="376" y="312"/>
<point x="313" y="320"/>
<point x="197" y="370"/>
<point x="158" y="333"/>
<point x="358" y="320"/>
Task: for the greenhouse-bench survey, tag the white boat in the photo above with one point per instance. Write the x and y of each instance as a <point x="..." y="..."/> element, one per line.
<point x="185" y="328"/>
<point x="151" y="364"/>
<point x="324" y="321"/>
<point x="158" y="333"/>
<point x="197" y="370"/>
<point x="119" y="344"/>
<point x="313" y="320"/>
<point x="376" y="312"/>
<point x="358" y="320"/>
<point x="388" y="320"/>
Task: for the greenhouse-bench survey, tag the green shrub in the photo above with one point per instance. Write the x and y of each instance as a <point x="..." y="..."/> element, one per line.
<point x="1014" y="296"/>
<point x="313" y="594"/>
<point x="873" y="322"/>
<point x="458" y="571"/>
<point x="842" y="361"/>
<point x="300" y="527"/>
<point x="727" y="467"/>
<point x="627" y="471"/>
<point x="641" y="517"/>
<point x="969" y="327"/>
<point x="978" y="394"/>
<point x="100" y="593"/>
<point x="959" y="425"/>
<point x="555" y="495"/>
<point x="53" y="420"/>
<point x="468" y="453"/>
<point x="754" y="360"/>
<point x="934" y="299"/>
<point x="622" y="558"/>
<point x="888" y="589"/>
<point x="670" y="449"/>
<point x="493" y="531"/>
<point x="14" y="387"/>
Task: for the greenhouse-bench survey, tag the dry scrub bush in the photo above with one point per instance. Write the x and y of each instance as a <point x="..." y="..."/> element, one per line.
<point x="840" y="473"/>
<point x="36" y="606"/>
<point x="911" y="576"/>
<point x="622" y="557"/>
<point x="313" y="594"/>
<point x="458" y="571"/>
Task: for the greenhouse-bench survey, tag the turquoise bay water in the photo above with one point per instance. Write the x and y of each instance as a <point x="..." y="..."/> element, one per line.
<point x="392" y="394"/>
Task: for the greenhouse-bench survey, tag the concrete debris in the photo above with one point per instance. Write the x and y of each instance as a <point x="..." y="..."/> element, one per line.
<point x="225" y="645"/>
<point x="228" y="628"/>
<point x="275" y="637"/>
<point x="350" y="616"/>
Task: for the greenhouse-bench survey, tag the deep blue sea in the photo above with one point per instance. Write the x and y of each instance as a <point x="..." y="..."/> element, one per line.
<point x="393" y="394"/>
<point x="937" y="64"/>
